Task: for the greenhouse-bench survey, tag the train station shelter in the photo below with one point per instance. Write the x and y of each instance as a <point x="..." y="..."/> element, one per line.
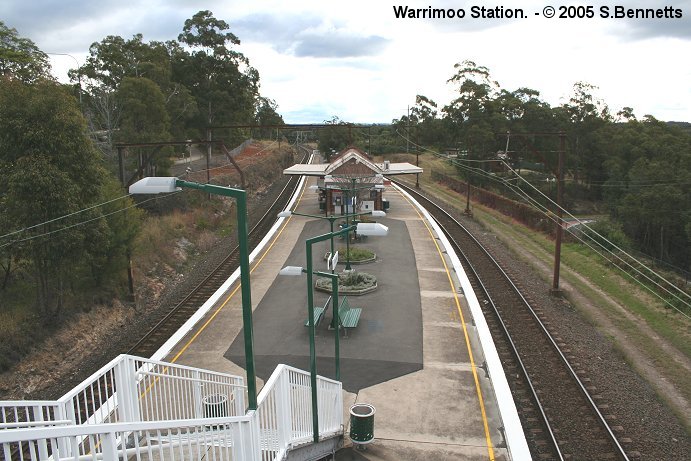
<point x="352" y="182"/>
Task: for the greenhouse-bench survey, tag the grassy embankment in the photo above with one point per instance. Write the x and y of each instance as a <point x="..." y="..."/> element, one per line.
<point x="594" y="278"/>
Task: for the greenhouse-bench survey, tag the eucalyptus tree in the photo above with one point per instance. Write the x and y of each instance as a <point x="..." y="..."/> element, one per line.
<point x="219" y="77"/>
<point x="50" y="171"/>
<point x="20" y="58"/>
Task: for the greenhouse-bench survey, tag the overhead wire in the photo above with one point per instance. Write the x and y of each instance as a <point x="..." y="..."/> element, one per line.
<point x="549" y="214"/>
<point x="62" y="229"/>
<point x="19" y="231"/>
<point x="611" y="243"/>
<point x="64" y="217"/>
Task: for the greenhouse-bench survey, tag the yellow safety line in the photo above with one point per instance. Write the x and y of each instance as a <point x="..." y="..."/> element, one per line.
<point x="210" y="319"/>
<point x="490" y="449"/>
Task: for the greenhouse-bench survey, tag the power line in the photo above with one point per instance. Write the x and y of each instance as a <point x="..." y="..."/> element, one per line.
<point x="63" y="217"/>
<point x="609" y="242"/>
<point x="83" y="222"/>
<point x="549" y="215"/>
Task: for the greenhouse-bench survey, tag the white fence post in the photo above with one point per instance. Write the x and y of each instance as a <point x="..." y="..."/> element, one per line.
<point x="42" y="445"/>
<point x="109" y="447"/>
<point x="284" y="420"/>
<point x="126" y="388"/>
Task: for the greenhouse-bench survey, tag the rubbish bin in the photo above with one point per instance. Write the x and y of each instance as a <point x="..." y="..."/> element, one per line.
<point x="362" y="423"/>
<point x="215" y="406"/>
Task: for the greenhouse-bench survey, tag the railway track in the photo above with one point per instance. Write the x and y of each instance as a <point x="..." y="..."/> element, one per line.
<point x="176" y="315"/>
<point x="560" y="418"/>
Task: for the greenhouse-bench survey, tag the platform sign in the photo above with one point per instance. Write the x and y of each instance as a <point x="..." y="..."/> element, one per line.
<point x="332" y="262"/>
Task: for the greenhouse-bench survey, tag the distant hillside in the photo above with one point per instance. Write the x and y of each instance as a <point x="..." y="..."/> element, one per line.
<point x="686" y="126"/>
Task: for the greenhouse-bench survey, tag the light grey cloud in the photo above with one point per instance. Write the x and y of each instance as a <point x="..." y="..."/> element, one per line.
<point x="339" y="45"/>
<point x="70" y="26"/>
<point x="280" y="32"/>
<point x="32" y="18"/>
<point x="669" y="25"/>
<point x="305" y="35"/>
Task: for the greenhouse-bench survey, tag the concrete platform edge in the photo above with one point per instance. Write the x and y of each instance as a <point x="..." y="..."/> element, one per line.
<point x="517" y="445"/>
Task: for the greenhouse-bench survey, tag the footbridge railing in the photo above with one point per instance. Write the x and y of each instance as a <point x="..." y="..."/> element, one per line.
<point x="156" y="410"/>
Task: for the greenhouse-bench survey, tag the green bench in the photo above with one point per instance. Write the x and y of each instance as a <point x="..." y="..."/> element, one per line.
<point x="348" y="316"/>
<point x="318" y="313"/>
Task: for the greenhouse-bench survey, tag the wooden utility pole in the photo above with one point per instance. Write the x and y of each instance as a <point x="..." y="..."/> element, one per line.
<point x="559" y="226"/>
<point x="560" y="222"/>
<point x="467" y="182"/>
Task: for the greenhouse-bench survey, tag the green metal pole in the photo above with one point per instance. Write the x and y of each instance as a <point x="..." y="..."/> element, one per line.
<point x="334" y="298"/>
<point x="347" y="236"/>
<point x="331" y="227"/>
<point x="337" y="347"/>
<point x="241" y="198"/>
<point x="310" y="319"/>
<point x="246" y="301"/>
<point x="313" y="352"/>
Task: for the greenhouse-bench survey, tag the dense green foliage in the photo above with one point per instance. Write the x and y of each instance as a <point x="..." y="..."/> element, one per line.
<point x="50" y="170"/>
<point x="638" y="171"/>
<point x="53" y="241"/>
<point x="20" y="59"/>
<point x="155" y="91"/>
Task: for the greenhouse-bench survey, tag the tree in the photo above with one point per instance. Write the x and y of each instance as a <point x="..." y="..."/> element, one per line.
<point x="144" y="115"/>
<point x="220" y="78"/>
<point x="50" y="170"/>
<point x="586" y="114"/>
<point x="473" y="113"/>
<point x="266" y="113"/>
<point x="334" y="138"/>
<point x="20" y="58"/>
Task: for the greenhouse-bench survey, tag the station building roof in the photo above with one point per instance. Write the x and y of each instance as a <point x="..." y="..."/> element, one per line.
<point x="352" y="161"/>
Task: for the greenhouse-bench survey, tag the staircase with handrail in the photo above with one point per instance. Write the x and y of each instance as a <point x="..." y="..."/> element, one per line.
<point x="154" y="410"/>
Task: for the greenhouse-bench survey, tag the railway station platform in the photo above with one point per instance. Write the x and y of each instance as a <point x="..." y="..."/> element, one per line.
<point x="416" y="354"/>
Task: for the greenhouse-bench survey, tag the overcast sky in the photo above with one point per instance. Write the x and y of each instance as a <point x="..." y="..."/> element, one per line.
<point x="357" y="61"/>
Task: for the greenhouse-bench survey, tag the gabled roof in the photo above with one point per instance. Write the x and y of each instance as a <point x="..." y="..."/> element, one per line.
<point x="352" y="155"/>
<point x="352" y="161"/>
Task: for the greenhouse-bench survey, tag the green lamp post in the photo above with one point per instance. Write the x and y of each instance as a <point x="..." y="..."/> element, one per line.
<point x="158" y="185"/>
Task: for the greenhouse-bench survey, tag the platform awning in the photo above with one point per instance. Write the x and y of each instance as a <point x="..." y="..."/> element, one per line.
<point x="320" y="169"/>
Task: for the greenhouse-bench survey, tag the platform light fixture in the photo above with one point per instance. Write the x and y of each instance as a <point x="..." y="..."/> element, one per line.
<point x="162" y="185"/>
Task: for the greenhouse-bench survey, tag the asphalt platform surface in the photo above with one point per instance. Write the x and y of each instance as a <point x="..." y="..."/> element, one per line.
<point x="387" y="343"/>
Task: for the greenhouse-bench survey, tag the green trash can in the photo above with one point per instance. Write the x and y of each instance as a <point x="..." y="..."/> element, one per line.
<point x="362" y="423"/>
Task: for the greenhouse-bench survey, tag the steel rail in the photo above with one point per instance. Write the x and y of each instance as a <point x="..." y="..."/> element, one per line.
<point x="437" y="209"/>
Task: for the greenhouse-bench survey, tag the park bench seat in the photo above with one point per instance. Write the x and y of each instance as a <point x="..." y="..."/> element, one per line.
<point x="318" y="313"/>
<point x="348" y="316"/>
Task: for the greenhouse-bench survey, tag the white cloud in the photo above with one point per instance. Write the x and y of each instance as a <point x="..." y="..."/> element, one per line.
<point x="355" y="60"/>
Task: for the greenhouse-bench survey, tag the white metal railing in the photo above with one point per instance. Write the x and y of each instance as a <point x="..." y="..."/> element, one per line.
<point x="151" y="409"/>
<point x="284" y="414"/>
<point x="214" y="438"/>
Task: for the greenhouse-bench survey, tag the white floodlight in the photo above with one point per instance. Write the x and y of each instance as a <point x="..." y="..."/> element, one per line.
<point x="379" y="186"/>
<point x="373" y="229"/>
<point x="291" y="270"/>
<point x="378" y="214"/>
<point x="154" y="185"/>
<point x="285" y="214"/>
